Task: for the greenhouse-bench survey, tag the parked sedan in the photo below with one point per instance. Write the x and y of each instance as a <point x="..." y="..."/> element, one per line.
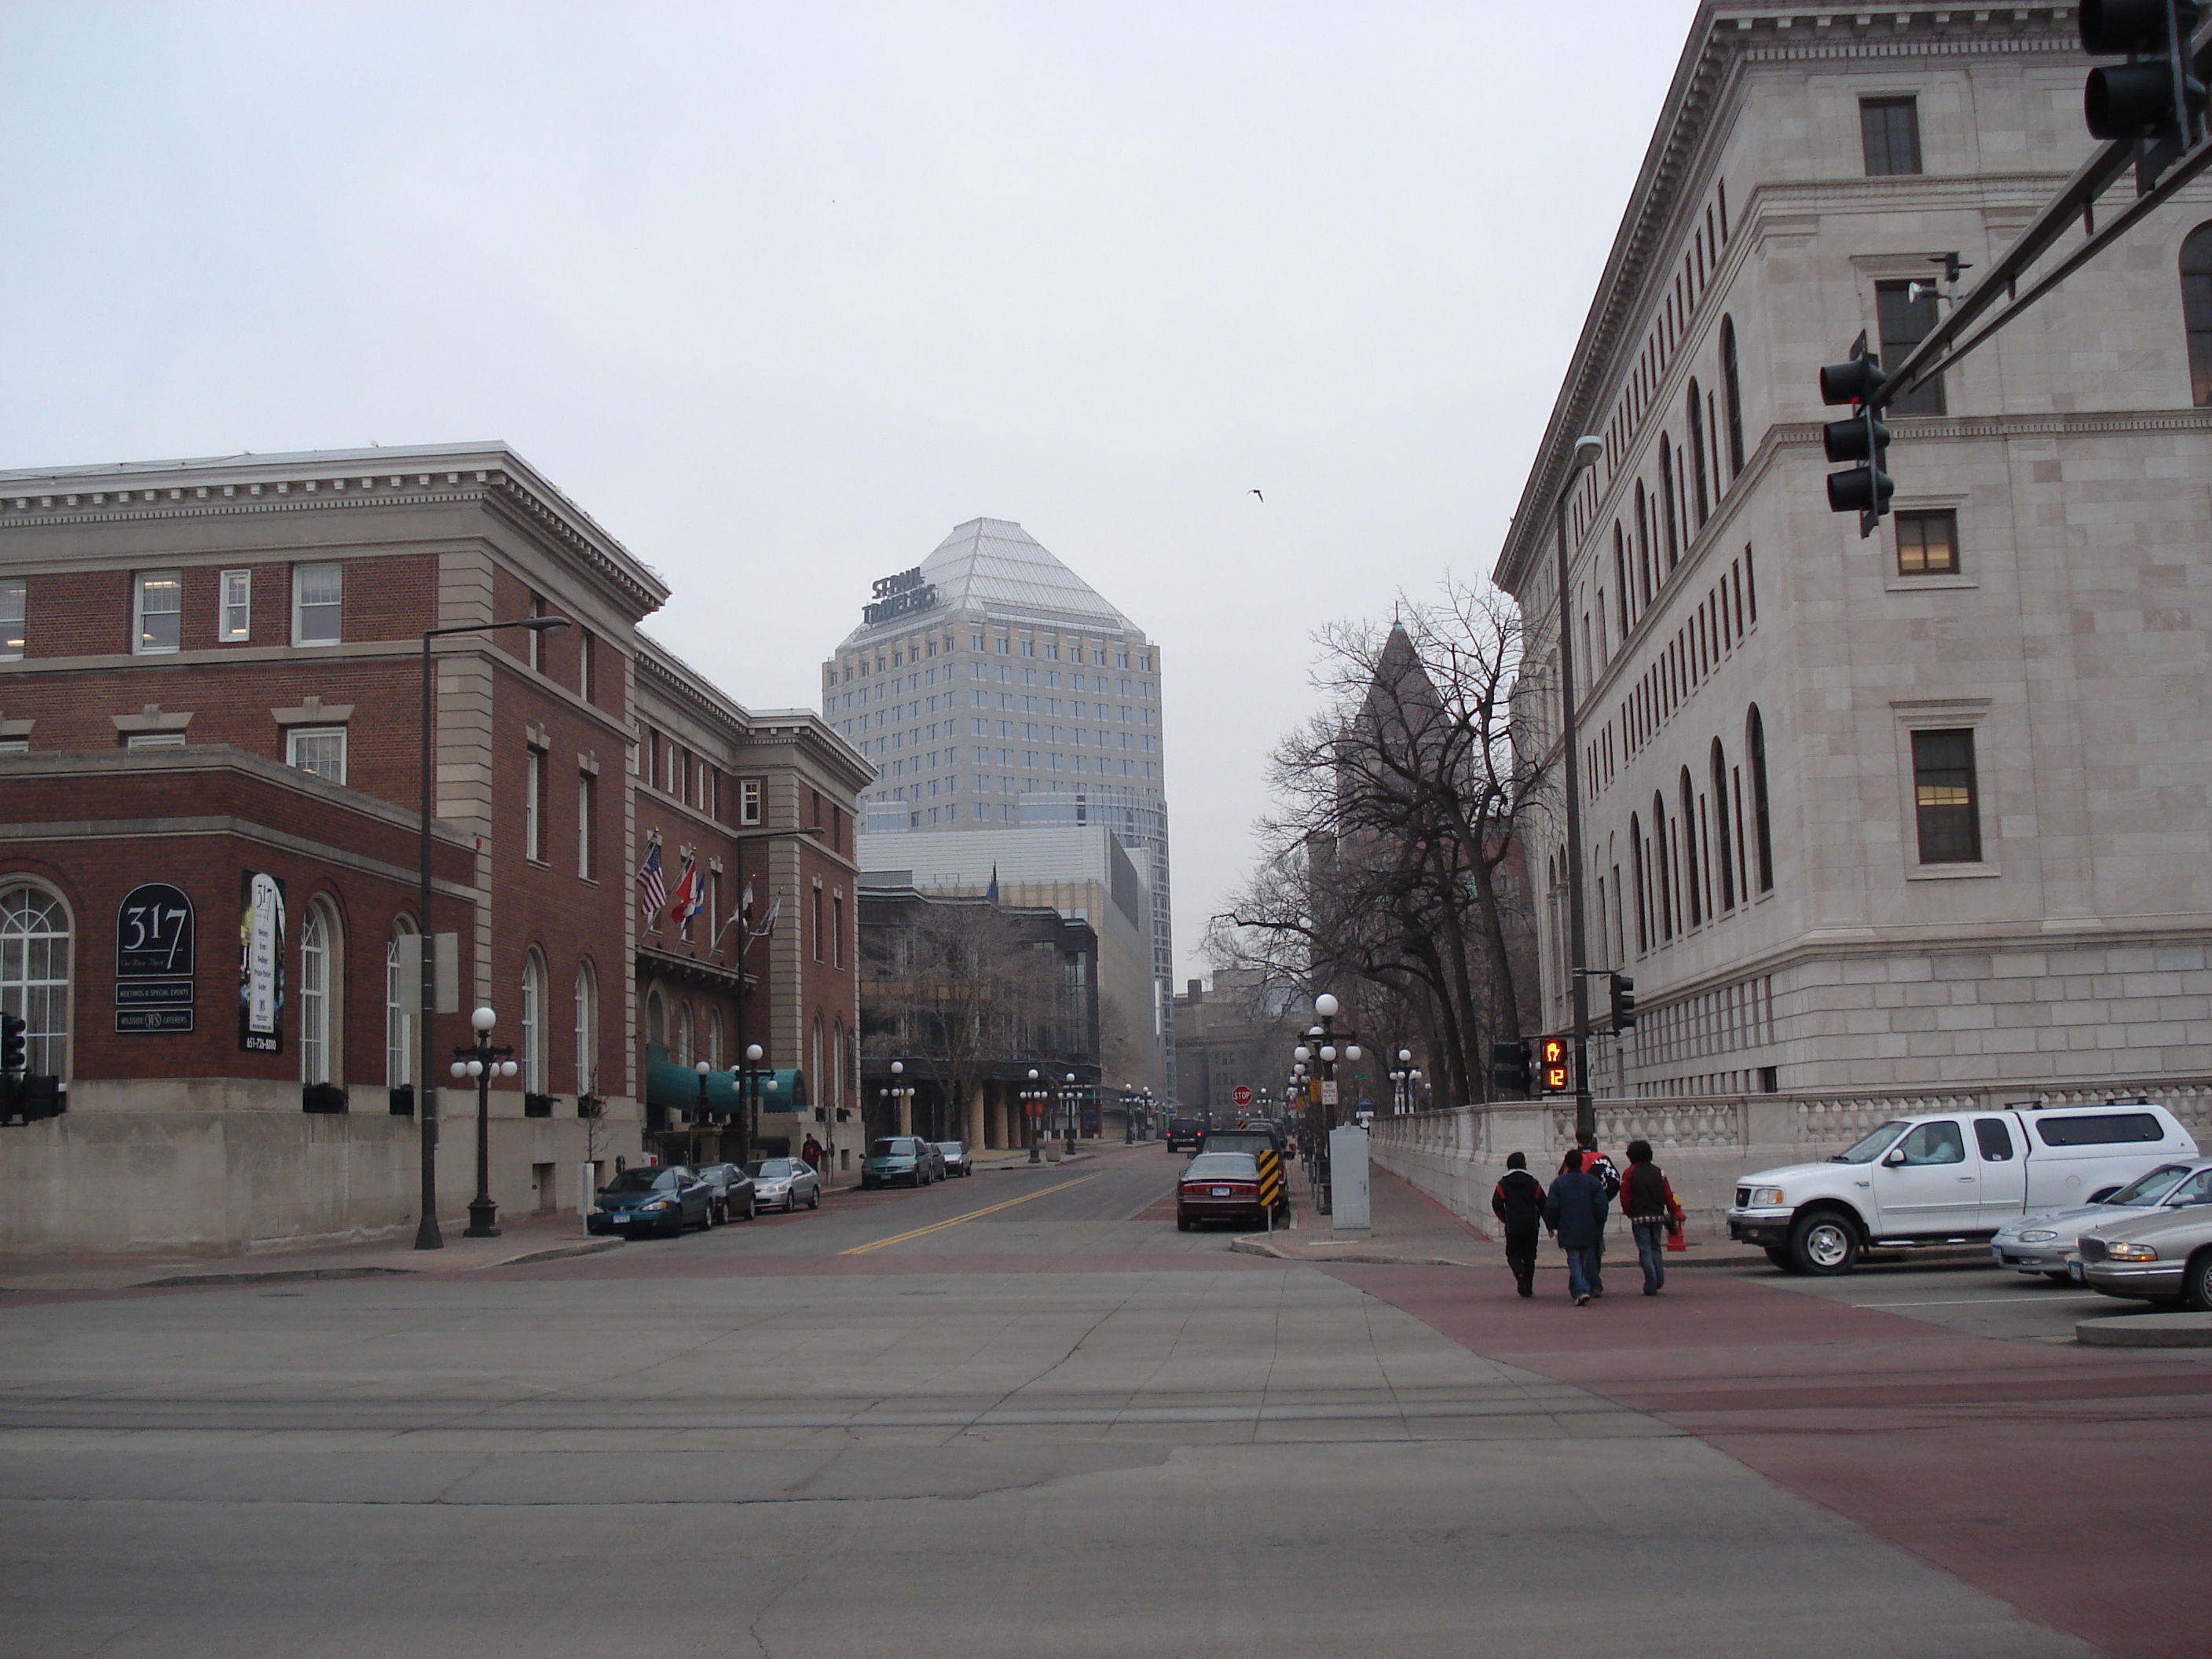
<point x="1220" y="1186"/>
<point x="732" y="1189"/>
<point x="900" y="1158"/>
<point x="785" y="1183"/>
<point x="957" y="1160"/>
<point x="652" y="1200"/>
<point x="2041" y="1243"/>
<point x="2158" y="1256"/>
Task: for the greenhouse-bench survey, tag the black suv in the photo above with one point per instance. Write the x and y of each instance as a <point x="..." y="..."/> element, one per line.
<point x="1184" y="1133"/>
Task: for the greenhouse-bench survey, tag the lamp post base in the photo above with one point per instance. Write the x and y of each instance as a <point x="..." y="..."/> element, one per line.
<point x="426" y="1237"/>
<point x="1033" y="1158"/>
<point x="483" y="1213"/>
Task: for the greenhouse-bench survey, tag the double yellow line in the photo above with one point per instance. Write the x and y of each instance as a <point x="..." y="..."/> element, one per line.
<point x="988" y="1209"/>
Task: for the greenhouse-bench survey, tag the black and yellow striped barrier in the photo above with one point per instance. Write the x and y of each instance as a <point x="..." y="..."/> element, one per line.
<point x="1271" y="1178"/>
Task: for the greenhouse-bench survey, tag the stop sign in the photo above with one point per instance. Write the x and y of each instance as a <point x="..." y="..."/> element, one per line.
<point x="1240" y="1095"/>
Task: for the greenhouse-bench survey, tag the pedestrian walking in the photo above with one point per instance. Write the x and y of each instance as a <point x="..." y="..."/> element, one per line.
<point x="1517" y="1201"/>
<point x="1597" y="1164"/>
<point x="811" y="1153"/>
<point x="1647" y="1199"/>
<point x="1575" y="1209"/>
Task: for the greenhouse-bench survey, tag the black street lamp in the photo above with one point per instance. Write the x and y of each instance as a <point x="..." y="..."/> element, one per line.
<point x="757" y="1081"/>
<point x="1069" y="1096"/>
<point x="426" y="1237"/>
<point x="1033" y="1100"/>
<point x="898" y="1096"/>
<point x="482" y="1061"/>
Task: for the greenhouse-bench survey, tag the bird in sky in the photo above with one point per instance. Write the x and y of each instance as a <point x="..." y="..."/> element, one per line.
<point x="1254" y="492"/>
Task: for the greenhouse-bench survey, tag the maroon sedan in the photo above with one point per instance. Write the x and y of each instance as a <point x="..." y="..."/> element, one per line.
<point x="1220" y="1186"/>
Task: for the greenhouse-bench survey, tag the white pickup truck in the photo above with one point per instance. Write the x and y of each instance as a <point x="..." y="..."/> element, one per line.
<point x="1948" y="1178"/>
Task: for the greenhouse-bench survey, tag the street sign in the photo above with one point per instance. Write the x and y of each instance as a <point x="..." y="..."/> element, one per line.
<point x="1328" y="1091"/>
<point x="1240" y="1095"/>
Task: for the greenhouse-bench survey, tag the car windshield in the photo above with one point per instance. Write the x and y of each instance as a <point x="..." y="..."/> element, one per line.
<point x="641" y="1181"/>
<point x="952" y="1148"/>
<point x="2147" y="1188"/>
<point x="892" y="1148"/>
<point x="772" y="1169"/>
<point x="1222" y="1166"/>
<point x="1874" y="1145"/>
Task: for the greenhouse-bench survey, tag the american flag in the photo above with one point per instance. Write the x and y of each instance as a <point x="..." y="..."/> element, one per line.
<point x="652" y="888"/>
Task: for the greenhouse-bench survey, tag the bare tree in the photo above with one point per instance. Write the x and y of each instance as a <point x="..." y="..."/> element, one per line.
<point x="1392" y="860"/>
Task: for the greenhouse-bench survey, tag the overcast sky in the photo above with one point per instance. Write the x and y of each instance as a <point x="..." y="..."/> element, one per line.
<point x="780" y="294"/>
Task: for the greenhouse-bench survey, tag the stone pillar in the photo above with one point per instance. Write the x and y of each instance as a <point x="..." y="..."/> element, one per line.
<point x="995" y="1117"/>
<point x="905" y="1114"/>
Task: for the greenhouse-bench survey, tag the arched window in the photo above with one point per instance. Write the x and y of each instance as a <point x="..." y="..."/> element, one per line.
<point x="1667" y="501"/>
<point x="2196" y="311"/>
<point x="1693" y="890"/>
<point x="1620" y="577"/>
<point x="1643" y="539"/>
<point x="319" y="956"/>
<point x="1761" y="818"/>
<point x="1663" y="867"/>
<point x="1643" y="900"/>
<point x="530" y="1044"/>
<point x="1697" y="451"/>
<point x="400" y="1002"/>
<point x="34" y="974"/>
<point x="587" y="1030"/>
<point x="837" y="1070"/>
<point x="1726" y="860"/>
<point x="656" y="1021"/>
<point x="1731" y="398"/>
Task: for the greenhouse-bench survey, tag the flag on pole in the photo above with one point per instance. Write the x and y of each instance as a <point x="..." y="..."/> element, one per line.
<point x="652" y="885"/>
<point x="685" y="905"/>
<point x="991" y="893"/>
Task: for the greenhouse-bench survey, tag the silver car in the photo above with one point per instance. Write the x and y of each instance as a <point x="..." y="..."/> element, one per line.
<point x="785" y="1183"/>
<point x="956" y="1161"/>
<point x="2159" y="1255"/>
<point x="2041" y="1243"/>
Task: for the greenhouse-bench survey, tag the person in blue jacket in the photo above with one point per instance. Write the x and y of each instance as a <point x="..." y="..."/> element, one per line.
<point x="1575" y="1209"/>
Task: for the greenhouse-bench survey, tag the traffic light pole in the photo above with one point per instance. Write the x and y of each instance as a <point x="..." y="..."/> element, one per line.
<point x="1587" y="450"/>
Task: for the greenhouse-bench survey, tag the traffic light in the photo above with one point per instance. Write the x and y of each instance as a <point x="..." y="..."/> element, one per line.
<point x="12" y="1047"/>
<point x="1865" y="488"/>
<point x="1555" y="1066"/>
<point x="1512" y="1068"/>
<point x="1623" y="1002"/>
<point x="2154" y="95"/>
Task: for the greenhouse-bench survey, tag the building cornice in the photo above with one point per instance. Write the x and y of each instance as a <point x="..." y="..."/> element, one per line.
<point x="328" y="480"/>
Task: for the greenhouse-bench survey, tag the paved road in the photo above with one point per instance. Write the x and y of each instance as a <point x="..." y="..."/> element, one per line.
<point x="1015" y="1415"/>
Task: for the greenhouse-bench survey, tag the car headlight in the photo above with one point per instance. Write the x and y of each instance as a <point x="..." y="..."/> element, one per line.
<point x="2131" y="1253"/>
<point x="657" y="1204"/>
<point x="1763" y="1198"/>
<point x="2039" y="1236"/>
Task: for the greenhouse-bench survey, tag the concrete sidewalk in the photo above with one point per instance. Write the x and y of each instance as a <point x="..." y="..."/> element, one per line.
<point x="534" y="1238"/>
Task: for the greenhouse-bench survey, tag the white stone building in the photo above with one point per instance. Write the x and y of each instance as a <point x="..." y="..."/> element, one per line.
<point x="1929" y="811"/>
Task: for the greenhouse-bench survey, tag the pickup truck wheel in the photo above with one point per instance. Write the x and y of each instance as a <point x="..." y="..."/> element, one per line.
<point x="1780" y="1256"/>
<point x="2196" y="1283"/>
<point x="1824" y="1243"/>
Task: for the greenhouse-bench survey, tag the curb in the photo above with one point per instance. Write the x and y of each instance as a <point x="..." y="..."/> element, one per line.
<point x="2174" y="1330"/>
<point x="560" y="1251"/>
<point x="1257" y="1244"/>
<point x="274" y="1276"/>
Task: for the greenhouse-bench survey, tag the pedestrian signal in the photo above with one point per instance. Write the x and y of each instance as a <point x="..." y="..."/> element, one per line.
<point x="1555" y="1066"/>
<point x="1513" y="1068"/>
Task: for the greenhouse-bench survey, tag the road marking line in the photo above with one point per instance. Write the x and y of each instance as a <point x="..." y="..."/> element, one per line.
<point x="939" y="1226"/>
<point x="1979" y="1302"/>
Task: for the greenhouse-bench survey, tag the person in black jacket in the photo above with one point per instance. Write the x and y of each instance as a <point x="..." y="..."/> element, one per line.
<point x="1517" y="1201"/>
<point x="1575" y="1210"/>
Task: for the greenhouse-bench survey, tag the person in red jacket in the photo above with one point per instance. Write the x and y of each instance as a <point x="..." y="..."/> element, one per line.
<point x="1647" y="1199"/>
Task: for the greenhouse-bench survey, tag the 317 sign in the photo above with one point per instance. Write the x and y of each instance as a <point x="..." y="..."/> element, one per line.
<point x="154" y="933"/>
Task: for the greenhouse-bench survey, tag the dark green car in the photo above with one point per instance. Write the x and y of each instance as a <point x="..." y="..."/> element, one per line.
<point x="652" y="1200"/>
<point x="906" y="1159"/>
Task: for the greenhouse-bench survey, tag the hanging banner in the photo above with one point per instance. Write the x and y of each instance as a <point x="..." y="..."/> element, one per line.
<point x="261" y="965"/>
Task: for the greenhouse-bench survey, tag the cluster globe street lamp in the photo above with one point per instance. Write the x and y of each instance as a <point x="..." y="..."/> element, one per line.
<point x="1068" y="1096"/>
<point x="482" y="1061"/>
<point x="1405" y="1081"/>
<point x="898" y="1096"/>
<point x="1033" y="1099"/>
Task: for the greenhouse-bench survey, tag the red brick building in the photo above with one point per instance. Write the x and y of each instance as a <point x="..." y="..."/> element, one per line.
<point x="211" y="743"/>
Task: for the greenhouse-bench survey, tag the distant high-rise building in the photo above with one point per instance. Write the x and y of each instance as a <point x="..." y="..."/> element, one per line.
<point x="1000" y="696"/>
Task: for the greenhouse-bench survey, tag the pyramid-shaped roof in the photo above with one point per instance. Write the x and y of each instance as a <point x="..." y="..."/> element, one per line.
<point x="994" y="565"/>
